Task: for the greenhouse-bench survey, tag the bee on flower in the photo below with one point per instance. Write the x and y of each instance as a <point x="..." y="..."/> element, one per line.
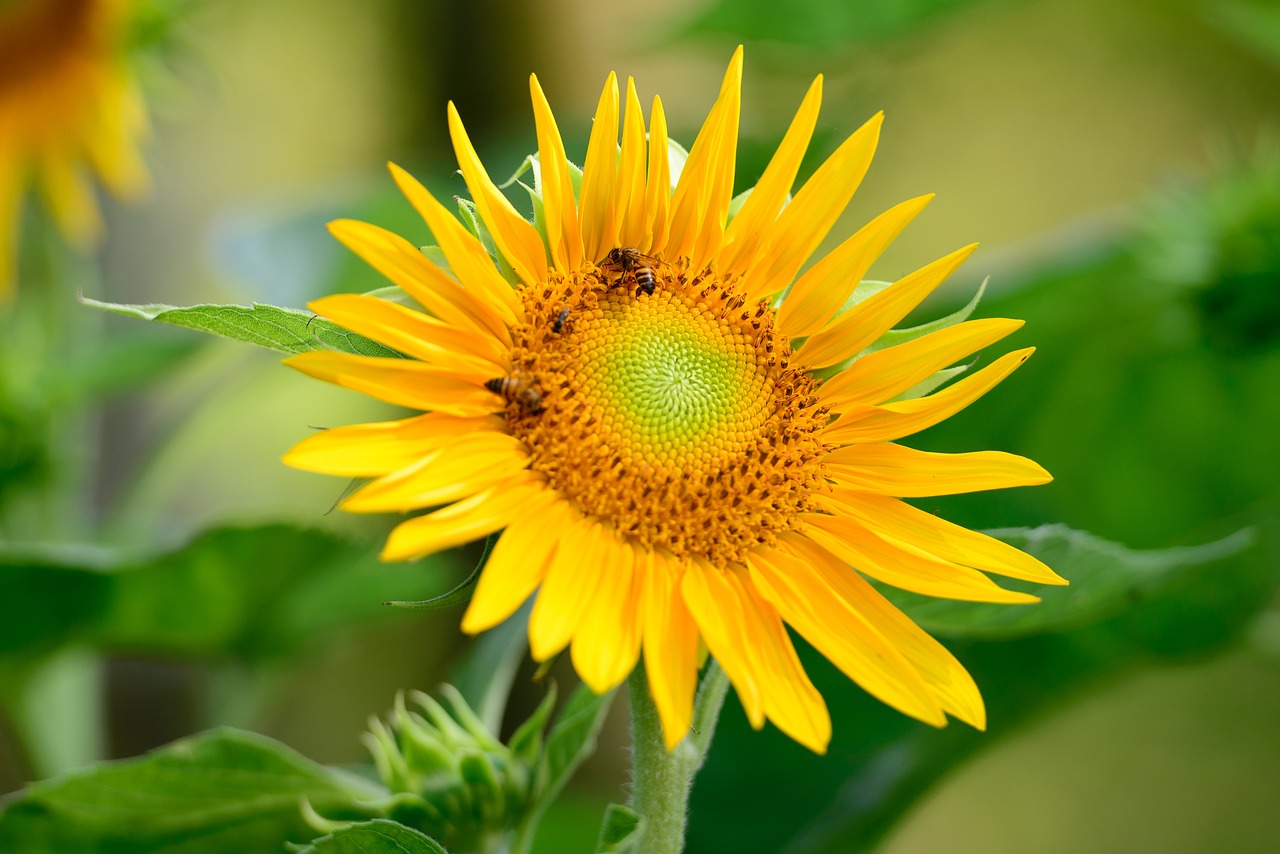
<point x="706" y="464"/>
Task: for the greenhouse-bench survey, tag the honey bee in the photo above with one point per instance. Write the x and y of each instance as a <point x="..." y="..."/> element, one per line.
<point x="557" y="326"/>
<point x="627" y="260"/>
<point x="519" y="390"/>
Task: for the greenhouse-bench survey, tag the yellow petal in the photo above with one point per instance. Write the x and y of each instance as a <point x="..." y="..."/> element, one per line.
<point x="803" y="224"/>
<point x="700" y="204"/>
<point x="746" y="635"/>
<point x="467" y="256"/>
<point x="415" y="333"/>
<point x="607" y="643"/>
<point x="400" y="381"/>
<point x="599" y="220"/>
<point x="745" y="234"/>
<point x="900" y="521"/>
<point x="837" y="628"/>
<point x="558" y="204"/>
<point x="888" y="469"/>
<point x="947" y="680"/>
<point x="68" y="194"/>
<point x="461" y="467"/>
<point x="657" y="192"/>
<point x="670" y="643"/>
<point x="899" y="563"/>
<point x="568" y="589"/>
<point x="895" y="420"/>
<point x="518" y="563"/>
<point x="878" y="376"/>
<point x="823" y="289"/>
<point x="861" y="325"/>
<point x="515" y="237"/>
<point x="467" y="520"/>
<point x="371" y="450"/>
<point x="629" y="193"/>
<point x="402" y="263"/>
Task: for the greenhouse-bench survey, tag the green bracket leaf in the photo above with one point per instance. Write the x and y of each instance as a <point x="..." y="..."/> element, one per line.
<point x="287" y="330"/>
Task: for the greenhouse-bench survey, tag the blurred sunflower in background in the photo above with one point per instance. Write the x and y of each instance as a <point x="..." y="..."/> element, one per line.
<point x="70" y="112"/>
<point x="680" y="459"/>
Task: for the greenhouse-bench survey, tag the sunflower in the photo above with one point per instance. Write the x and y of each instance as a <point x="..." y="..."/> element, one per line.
<point x="69" y="107"/>
<point x="679" y="462"/>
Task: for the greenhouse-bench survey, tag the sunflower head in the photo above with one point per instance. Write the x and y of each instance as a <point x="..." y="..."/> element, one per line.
<point x="69" y="111"/>
<point x="678" y="457"/>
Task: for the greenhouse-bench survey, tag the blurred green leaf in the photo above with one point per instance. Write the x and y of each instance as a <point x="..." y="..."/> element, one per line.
<point x="823" y="24"/>
<point x="287" y="330"/>
<point x="220" y="791"/>
<point x="814" y="804"/>
<point x="379" y="836"/>
<point x="117" y="364"/>
<point x="487" y="670"/>
<point x="1106" y="578"/>
<point x="1255" y="23"/>
<point x="250" y="592"/>
<point x="622" y="831"/>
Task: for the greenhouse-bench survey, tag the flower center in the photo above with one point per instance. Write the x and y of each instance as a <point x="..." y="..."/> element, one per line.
<point x="671" y="415"/>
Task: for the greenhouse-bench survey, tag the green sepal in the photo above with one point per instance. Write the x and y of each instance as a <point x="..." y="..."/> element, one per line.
<point x="932" y="381"/>
<point x="621" y="832"/>
<point x="677" y="155"/>
<point x="475" y="224"/>
<point x="436" y="256"/>
<point x="526" y="742"/>
<point x="900" y="336"/>
<point x="460" y="593"/>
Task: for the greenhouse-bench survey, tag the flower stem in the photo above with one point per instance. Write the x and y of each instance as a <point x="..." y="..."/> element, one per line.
<point x="661" y="779"/>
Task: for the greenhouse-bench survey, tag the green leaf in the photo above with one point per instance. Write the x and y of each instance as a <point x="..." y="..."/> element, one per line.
<point x="571" y="740"/>
<point x="250" y="592"/>
<point x="622" y="831"/>
<point x="379" y="836"/>
<point x="287" y="330"/>
<point x="220" y="791"/>
<point x="1106" y="579"/>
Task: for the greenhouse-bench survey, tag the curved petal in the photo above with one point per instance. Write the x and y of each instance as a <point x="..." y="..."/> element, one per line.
<point x="822" y="291"/>
<point x="949" y="541"/>
<point x="804" y="223"/>
<point x="895" y="420"/>
<point x="888" y="469"/>
<point x="558" y="202"/>
<point x="400" y="381"/>
<point x="861" y="325"/>
<point x="837" y="628"/>
<point x="459" y="468"/>
<point x="657" y="191"/>
<point x="877" y="377"/>
<point x="568" y="589"/>
<point x="900" y="564"/>
<point x="629" y="191"/>
<point x="464" y="521"/>
<point x="599" y="221"/>
<point x="402" y="263"/>
<point x="516" y="238"/>
<point x="372" y="450"/>
<point x="746" y="635"/>
<point x="700" y="204"/>
<point x="467" y="256"/>
<point x="518" y="563"/>
<point x="415" y="333"/>
<point x="744" y="236"/>
<point x="670" y="643"/>
<point x="947" y="680"/>
<point x="607" y="643"/>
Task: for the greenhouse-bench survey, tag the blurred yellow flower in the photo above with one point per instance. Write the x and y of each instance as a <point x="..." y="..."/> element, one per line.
<point x="648" y="429"/>
<point x="69" y="108"/>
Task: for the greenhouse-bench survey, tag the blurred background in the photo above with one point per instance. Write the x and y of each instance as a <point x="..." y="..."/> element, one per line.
<point x="1119" y="160"/>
